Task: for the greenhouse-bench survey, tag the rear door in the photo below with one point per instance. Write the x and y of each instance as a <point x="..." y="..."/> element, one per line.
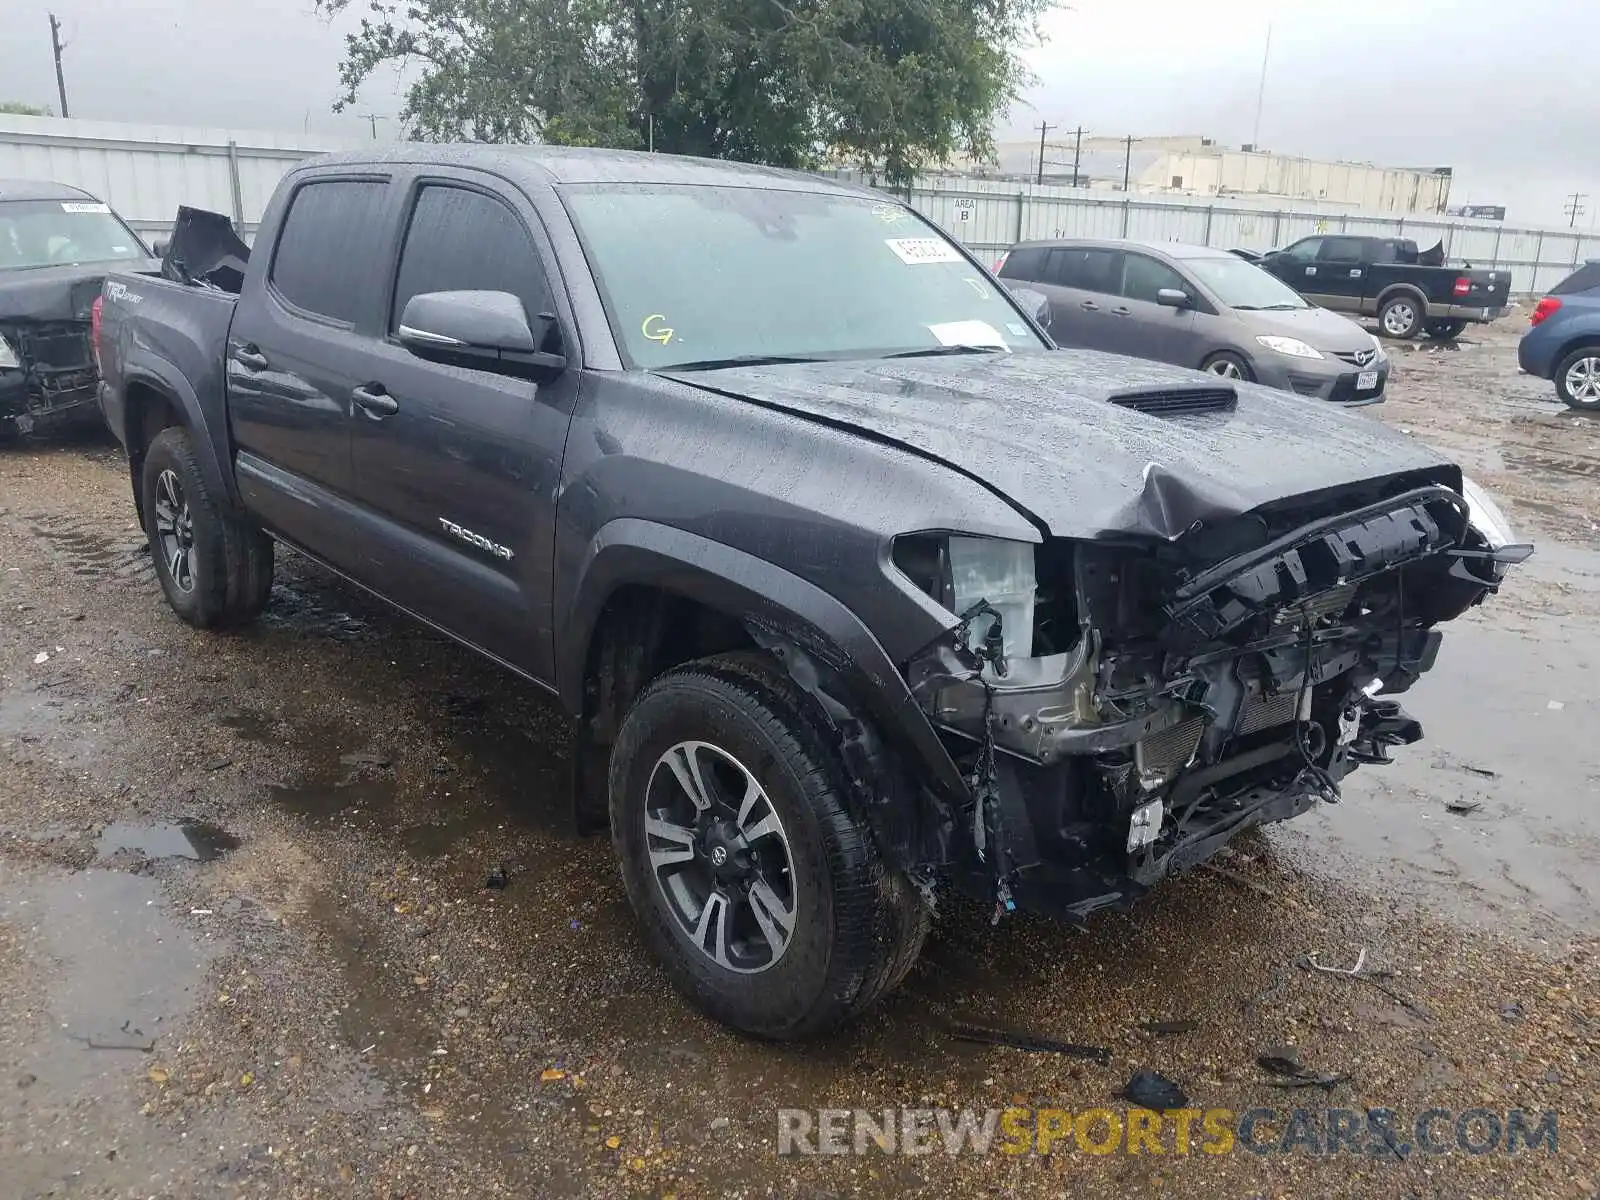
<point x="1084" y="283"/>
<point x="1337" y="279"/>
<point x="301" y="340"/>
<point x="466" y="451"/>
<point x="1144" y="328"/>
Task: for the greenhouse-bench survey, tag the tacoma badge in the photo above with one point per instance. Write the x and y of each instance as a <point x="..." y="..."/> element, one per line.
<point x="476" y="539"/>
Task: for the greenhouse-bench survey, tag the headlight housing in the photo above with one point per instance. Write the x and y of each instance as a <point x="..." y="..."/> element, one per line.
<point x="959" y="572"/>
<point x="1484" y="515"/>
<point x="1293" y="347"/>
<point x="8" y="356"/>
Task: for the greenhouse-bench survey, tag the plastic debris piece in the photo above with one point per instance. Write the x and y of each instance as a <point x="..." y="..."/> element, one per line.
<point x="1026" y="1041"/>
<point x="1147" y="1089"/>
<point x="41" y="658"/>
<point x="497" y="880"/>
<point x="1169" y="1028"/>
<point x="551" y="1075"/>
<point x="1462" y="807"/>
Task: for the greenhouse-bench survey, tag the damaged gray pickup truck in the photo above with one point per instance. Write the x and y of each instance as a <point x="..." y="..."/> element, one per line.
<point x="854" y="586"/>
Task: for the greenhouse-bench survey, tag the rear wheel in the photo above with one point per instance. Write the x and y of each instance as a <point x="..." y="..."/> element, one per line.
<point x="215" y="569"/>
<point x="1577" y="378"/>
<point x="1445" y="331"/>
<point x="759" y="891"/>
<point x="1402" y="316"/>
<point x="1227" y="364"/>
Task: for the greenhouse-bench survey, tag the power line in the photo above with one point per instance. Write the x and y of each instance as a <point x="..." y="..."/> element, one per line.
<point x="61" y="80"/>
<point x="1574" y="207"/>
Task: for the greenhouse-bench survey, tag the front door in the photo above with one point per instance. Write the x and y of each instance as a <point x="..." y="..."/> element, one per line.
<point x="1144" y="328"/>
<point x="300" y="341"/>
<point x="1296" y="265"/>
<point x="458" y="467"/>
<point x="1341" y="275"/>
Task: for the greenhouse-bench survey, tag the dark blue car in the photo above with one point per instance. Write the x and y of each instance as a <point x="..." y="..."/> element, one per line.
<point x="1563" y="340"/>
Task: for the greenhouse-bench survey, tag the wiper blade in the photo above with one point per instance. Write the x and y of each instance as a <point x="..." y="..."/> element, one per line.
<point x="738" y="360"/>
<point x="937" y="351"/>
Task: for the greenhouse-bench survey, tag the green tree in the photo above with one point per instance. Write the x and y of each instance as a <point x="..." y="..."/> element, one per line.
<point x="888" y="84"/>
<point x="16" y="108"/>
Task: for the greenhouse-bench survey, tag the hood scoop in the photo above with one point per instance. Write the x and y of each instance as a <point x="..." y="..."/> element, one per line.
<point x="1178" y="401"/>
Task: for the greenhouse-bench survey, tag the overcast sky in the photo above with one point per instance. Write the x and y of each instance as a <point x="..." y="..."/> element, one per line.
<point x="1503" y="92"/>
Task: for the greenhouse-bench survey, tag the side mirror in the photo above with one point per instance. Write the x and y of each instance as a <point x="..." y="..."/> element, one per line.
<point x="159" y="247"/>
<point x="1173" y="298"/>
<point x="1037" y="304"/>
<point x="488" y="330"/>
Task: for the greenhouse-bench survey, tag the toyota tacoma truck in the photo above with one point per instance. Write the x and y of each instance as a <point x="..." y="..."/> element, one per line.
<point x="56" y="244"/>
<point x="1410" y="292"/>
<point x="855" y="588"/>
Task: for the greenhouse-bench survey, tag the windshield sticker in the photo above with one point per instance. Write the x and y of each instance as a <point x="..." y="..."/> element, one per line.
<point x="888" y="213"/>
<point x="655" y="328"/>
<point x="968" y="333"/>
<point x="84" y="206"/>
<point x="1016" y="329"/>
<point x="923" y="250"/>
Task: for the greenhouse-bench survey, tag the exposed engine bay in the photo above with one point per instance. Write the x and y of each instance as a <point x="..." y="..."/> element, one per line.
<point x="1122" y="709"/>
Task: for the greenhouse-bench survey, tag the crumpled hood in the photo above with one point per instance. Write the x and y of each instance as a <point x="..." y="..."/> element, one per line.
<point x="1039" y="428"/>
<point x="59" y="293"/>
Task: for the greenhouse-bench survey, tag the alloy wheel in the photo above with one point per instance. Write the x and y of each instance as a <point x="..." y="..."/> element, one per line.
<point x="175" y="530"/>
<point x="1583" y="380"/>
<point x="1398" y="319"/>
<point x="720" y="856"/>
<point x="1227" y="368"/>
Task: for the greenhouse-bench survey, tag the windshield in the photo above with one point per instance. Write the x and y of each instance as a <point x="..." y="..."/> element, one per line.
<point x="1239" y="284"/>
<point x="703" y="275"/>
<point x="57" y="233"/>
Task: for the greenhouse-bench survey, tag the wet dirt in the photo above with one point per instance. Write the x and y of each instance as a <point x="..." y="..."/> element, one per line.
<point x="340" y="1005"/>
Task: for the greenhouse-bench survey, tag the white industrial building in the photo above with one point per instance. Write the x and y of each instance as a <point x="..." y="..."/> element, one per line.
<point x="1199" y="166"/>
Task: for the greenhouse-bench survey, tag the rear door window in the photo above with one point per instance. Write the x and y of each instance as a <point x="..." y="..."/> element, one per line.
<point x="1143" y="277"/>
<point x="1088" y="270"/>
<point x="460" y="240"/>
<point x="1340" y="249"/>
<point x="330" y="240"/>
<point x="1026" y="262"/>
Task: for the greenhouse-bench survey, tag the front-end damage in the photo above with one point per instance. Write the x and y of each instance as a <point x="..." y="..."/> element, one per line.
<point x="1122" y="707"/>
<point x="46" y="370"/>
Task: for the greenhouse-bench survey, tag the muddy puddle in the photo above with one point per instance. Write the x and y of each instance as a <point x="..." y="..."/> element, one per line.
<point x="196" y="841"/>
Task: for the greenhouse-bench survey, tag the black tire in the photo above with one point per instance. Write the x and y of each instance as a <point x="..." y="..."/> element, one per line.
<point x="1402" y="316"/>
<point x="224" y="574"/>
<point x="1570" y="374"/>
<point x="1228" y="365"/>
<point x="10" y="435"/>
<point x="1446" y="330"/>
<point x="856" y="926"/>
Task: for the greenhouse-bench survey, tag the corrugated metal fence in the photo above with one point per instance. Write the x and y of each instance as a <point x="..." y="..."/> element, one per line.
<point x="145" y="172"/>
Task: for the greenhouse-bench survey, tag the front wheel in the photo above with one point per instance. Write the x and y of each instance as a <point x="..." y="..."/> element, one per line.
<point x="762" y="895"/>
<point x="214" y="567"/>
<point x="1401" y="317"/>
<point x="1577" y="379"/>
<point x="1228" y="365"/>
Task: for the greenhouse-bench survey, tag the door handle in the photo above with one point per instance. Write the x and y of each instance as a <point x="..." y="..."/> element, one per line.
<point x="1089" y="306"/>
<point x="374" y="401"/>
<point x="1122" y="312"/>
<point x="251" y="358"/>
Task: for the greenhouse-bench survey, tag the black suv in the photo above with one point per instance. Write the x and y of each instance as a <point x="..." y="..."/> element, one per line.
<point x="855" y="588"/>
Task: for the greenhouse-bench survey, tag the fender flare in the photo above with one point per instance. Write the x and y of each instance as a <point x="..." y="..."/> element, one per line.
<point x="630" y="551"/>
<point x="160" y="376"/>
<point x="1409" y="289"/>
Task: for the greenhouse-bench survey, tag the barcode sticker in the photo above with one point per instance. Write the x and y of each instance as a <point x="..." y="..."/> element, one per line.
<point x="84" y="206"/>
<point x="923" y="250"/>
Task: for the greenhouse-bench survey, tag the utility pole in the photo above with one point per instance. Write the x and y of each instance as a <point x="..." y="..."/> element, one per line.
<point x="1077" y="154"/>
<point x="1043" y="129"/>
<point x="372" y="123"/>
<point x="55" y="45"/>
<point x="1261" y="91"/>
<point x="1574" y="207"/>
<point x="1127" y="163"/>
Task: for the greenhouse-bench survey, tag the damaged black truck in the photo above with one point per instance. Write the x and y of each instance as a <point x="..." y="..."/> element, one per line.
<point x="56" y="245"/>
<point x="855" y="588"/>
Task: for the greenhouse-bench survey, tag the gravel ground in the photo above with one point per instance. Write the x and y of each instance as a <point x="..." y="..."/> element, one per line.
<point x="246" y="945"/>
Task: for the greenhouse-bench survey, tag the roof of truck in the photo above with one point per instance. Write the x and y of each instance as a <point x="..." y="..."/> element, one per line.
<point x="39" y="189"/>
<point x="580" y="165"/>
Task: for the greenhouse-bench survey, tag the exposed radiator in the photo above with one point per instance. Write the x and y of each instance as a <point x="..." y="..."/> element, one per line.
<point x="1257" y="713"/>
<point x="1163" y="753"/>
